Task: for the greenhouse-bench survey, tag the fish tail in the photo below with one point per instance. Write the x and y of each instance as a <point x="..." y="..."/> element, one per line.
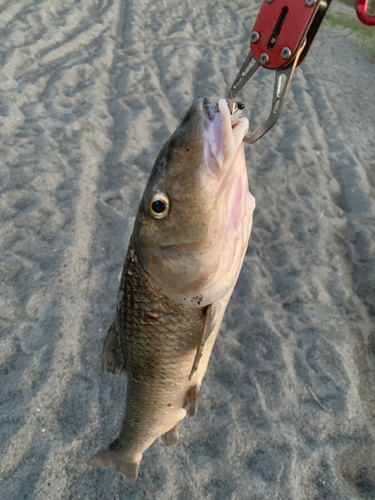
<point x="106" y="458"/>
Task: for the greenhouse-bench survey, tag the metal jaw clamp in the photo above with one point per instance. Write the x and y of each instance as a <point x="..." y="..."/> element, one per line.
<point x="282" y="36"/>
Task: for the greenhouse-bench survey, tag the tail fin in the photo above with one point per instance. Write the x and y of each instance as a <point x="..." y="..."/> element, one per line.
<point x="106" y="458"/>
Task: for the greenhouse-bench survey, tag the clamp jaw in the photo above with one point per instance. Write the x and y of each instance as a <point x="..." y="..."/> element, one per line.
<point x="282" y="36"/>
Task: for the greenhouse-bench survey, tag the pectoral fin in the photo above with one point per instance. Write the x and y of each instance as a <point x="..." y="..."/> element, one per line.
<point x="191" y="401"/>
<point x="213" y="314"/>
<point x="113" y="360"/>
<point x="208" y="327"/>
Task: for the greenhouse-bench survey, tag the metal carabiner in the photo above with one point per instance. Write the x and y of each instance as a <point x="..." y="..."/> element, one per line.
<point x="363" y="16"/>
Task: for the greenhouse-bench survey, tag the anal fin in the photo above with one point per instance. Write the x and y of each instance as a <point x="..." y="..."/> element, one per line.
<point x="191" y="401"/>
<point x="171" y="437"/>
<point x="113" y="360"/>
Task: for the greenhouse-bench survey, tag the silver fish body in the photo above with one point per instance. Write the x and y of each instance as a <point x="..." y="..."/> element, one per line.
<point x="184" y="257"/>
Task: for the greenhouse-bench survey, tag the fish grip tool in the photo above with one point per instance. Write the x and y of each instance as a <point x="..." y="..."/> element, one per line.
<point x="281" y="38"/>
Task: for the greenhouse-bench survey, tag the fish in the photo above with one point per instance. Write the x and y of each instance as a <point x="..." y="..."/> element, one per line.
<point x="189" y="240"/>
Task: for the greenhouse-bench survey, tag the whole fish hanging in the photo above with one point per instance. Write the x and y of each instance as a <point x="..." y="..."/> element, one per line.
<point x="186" y="251"/>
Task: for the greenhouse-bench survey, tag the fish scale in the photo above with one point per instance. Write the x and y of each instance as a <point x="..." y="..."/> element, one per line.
<point x="175" y="330"/>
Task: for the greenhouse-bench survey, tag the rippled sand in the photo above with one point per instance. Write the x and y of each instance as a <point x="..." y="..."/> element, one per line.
<point x="89" y="91"/>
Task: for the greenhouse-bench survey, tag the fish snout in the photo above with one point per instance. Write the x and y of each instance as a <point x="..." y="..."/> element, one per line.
<point x="203" y="107"/>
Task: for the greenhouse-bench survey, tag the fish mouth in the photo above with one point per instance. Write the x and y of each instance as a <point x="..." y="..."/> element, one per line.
<point x="224" y="129"/>
<point x="235" y="109"/>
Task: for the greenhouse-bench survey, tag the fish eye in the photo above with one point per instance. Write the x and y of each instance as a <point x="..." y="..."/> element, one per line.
<point x="159" y="205"/>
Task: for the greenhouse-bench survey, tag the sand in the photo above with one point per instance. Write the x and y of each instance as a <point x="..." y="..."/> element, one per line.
<point x="89" y="91"/>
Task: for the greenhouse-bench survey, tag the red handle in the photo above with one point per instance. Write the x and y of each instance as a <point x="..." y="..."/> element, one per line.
<point x="280" y="27"/>
<point x="361" y="8"/>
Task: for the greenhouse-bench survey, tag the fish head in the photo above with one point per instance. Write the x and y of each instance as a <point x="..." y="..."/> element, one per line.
<point x="195" y="214"/>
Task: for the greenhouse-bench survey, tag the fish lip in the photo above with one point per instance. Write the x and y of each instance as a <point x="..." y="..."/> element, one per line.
<point x="209" y="109"/>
